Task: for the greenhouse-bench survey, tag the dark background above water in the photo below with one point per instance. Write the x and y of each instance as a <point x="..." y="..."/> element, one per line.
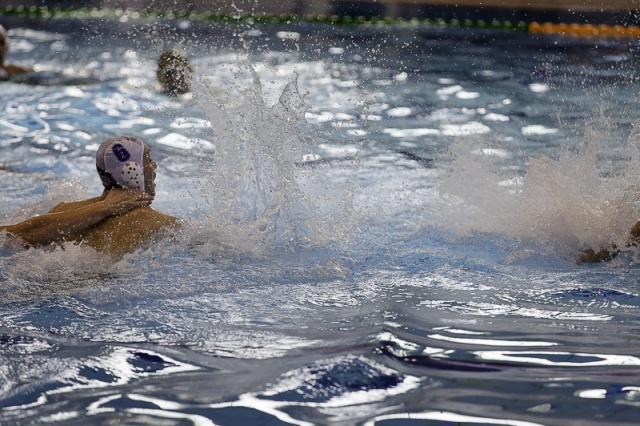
<point x="609" y="13"/>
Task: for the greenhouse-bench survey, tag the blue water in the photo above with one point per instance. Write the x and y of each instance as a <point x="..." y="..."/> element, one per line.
<point x="380" y="227"/>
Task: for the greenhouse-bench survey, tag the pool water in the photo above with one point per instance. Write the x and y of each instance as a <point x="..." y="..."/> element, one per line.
<point x="380" y="227"/>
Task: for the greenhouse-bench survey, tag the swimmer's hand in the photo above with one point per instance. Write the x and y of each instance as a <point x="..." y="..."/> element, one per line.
<point x="120" y="200"/>
<point x="603" y="255"/>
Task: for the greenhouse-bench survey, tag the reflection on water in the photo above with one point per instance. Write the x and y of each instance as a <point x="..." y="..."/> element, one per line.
<point x="446" y="417"/>
<point x="44" y="379"/>
<point x="380" y="228"/>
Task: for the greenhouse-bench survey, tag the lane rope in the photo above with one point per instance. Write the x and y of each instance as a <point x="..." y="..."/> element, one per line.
<point x="562" y="29"/>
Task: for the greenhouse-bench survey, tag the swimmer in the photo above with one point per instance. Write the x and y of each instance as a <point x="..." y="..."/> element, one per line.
<point x="116" y="222"/>
<point x="175" y="72"/>
<point x="609" y="253"/>
<point x="7" y="70"/>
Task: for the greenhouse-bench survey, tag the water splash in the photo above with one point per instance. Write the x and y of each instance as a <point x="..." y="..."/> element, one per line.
<point x="586" y="197"/>
<point x="264" y="186"/>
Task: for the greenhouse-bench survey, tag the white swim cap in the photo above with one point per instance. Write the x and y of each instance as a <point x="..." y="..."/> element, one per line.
<point x="119" y="162"/>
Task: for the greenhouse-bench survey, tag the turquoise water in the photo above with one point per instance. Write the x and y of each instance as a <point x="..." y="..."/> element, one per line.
<point x="380" y="228"/>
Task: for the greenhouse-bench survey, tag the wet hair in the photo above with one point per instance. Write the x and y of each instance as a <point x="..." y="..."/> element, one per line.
<point x="175" y="72"/>
<point x="107" y="180"/>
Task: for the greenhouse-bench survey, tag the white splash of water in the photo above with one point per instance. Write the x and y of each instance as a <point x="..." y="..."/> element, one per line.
<point x="261" y="190"/>
<point x="569" y="203"/>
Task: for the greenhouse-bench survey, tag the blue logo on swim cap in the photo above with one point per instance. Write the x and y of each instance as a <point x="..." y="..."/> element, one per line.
<point x="120" y="152"/>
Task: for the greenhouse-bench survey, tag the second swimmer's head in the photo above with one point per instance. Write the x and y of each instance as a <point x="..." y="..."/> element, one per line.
<point x="175" y="72"/>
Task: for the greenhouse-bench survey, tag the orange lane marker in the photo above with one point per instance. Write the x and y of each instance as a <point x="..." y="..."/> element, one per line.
<point x="584" y="30"/>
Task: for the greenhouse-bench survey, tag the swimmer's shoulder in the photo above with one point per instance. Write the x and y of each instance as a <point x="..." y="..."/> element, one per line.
<point x="141" y="216"/>
<point x="148" y="216"/>
<point x="122" y="234"/>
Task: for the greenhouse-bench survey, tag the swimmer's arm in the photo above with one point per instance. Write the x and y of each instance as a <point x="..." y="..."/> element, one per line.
<point x="608" y="253"/>
<point x="635" y="231"/>
<point x="16" y="69"/>
<point x="53" y="227"/>
<point x="71" y="205"/>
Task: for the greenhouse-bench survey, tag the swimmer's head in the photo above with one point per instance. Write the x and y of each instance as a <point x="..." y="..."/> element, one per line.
<point x="120" y="163"/>
<point x="175" y="72"/>
<point x="4" y="44"/>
